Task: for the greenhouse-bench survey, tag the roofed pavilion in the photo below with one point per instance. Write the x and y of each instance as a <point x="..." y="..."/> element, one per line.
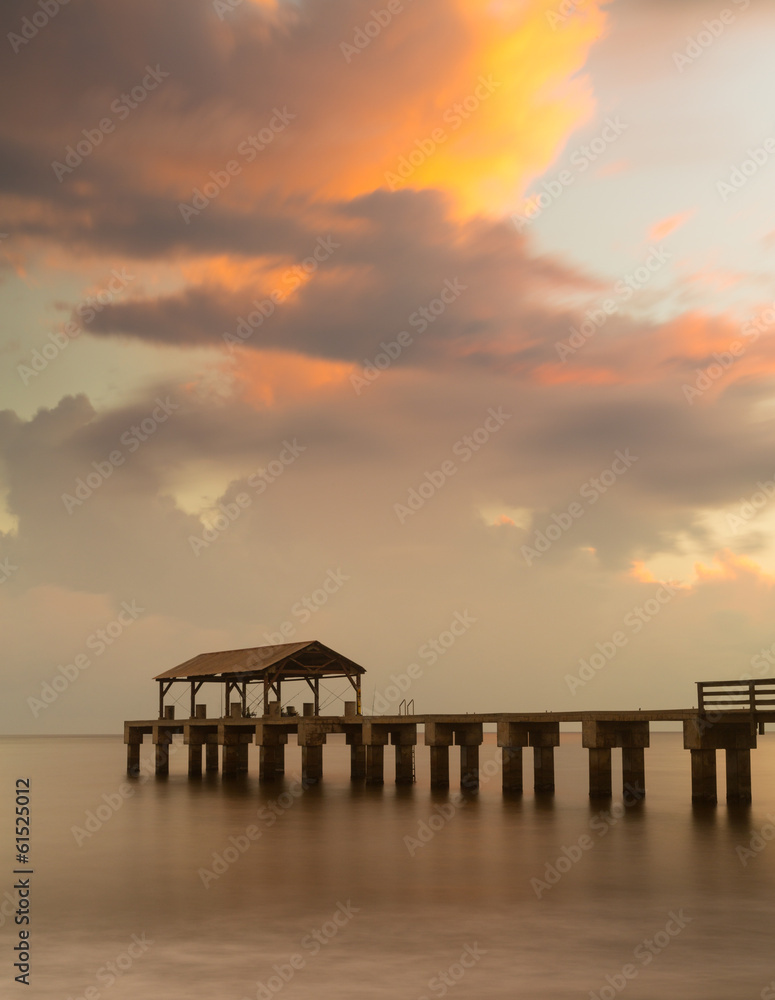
<point x="236" y="669"/>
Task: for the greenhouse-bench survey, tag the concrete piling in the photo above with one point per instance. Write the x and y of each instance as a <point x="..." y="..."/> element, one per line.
<point x="738" y="775"/>
<point x="133" y="759"/>
<point x="439" y="766"/>
<point x="312" y="763"/>
<point x="599" y="773"/>
<point x="511" y="769"/>
<point x="375" y="764"/>
<point x="734" y="731"/>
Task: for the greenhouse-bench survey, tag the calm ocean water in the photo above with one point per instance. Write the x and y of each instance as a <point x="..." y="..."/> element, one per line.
<point x="356" y="892"/>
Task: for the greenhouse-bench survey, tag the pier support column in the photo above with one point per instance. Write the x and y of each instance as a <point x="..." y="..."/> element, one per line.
<point x="703" y="735"/>
<point x="439" y="767"/>
<point x="512" y="737"/>
<point x="599" y="736"/>
<point x="704" y="776"/>
<point x="738" y="775"/>
<point x="404" y="764"/>
<point x="162" y="759"/>
<point x="162" y="739"/>
<point x="194" y="760"/>
<point x="469" y="737"/>
<point x="230" y="766"/>
<point x="312" y="763"/>
<point x="133" y="759"/>
<point x="599" y="773"/>
<point x="271" y="740"/>
<point x="511" y="768"/>
<point x="242" y="758"/>
<point x="375" y="764"/>
<point x="271" y="764"/>
<point x="634" y="772"/>
<point x="357" y="762"/>
<point x="469" y="767"/>
<point x="543" y="769"/>
<point x="211" y="757"/>
<point x="403" y="737"/>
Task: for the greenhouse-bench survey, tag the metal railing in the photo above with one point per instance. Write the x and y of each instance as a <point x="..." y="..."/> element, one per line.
<point x="406" y="707"/>
<point x="742" y="696"/>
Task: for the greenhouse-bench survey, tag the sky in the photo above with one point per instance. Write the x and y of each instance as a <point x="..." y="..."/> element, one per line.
<point x="440" y="331"/>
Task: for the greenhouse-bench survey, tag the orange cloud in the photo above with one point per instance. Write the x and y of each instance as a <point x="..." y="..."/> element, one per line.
<point x="666" y="226"/>
<point x="729" y="566"/>
<point x="271" y="378"/>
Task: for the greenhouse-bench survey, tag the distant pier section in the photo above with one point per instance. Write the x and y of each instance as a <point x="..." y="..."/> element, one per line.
<point x="728" y="717"/>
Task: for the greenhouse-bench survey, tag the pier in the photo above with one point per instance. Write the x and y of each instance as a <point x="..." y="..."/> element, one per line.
<point x="729" y="717"/>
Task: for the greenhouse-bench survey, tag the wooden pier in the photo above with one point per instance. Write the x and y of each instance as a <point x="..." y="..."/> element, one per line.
<point x="729" y="717"/>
